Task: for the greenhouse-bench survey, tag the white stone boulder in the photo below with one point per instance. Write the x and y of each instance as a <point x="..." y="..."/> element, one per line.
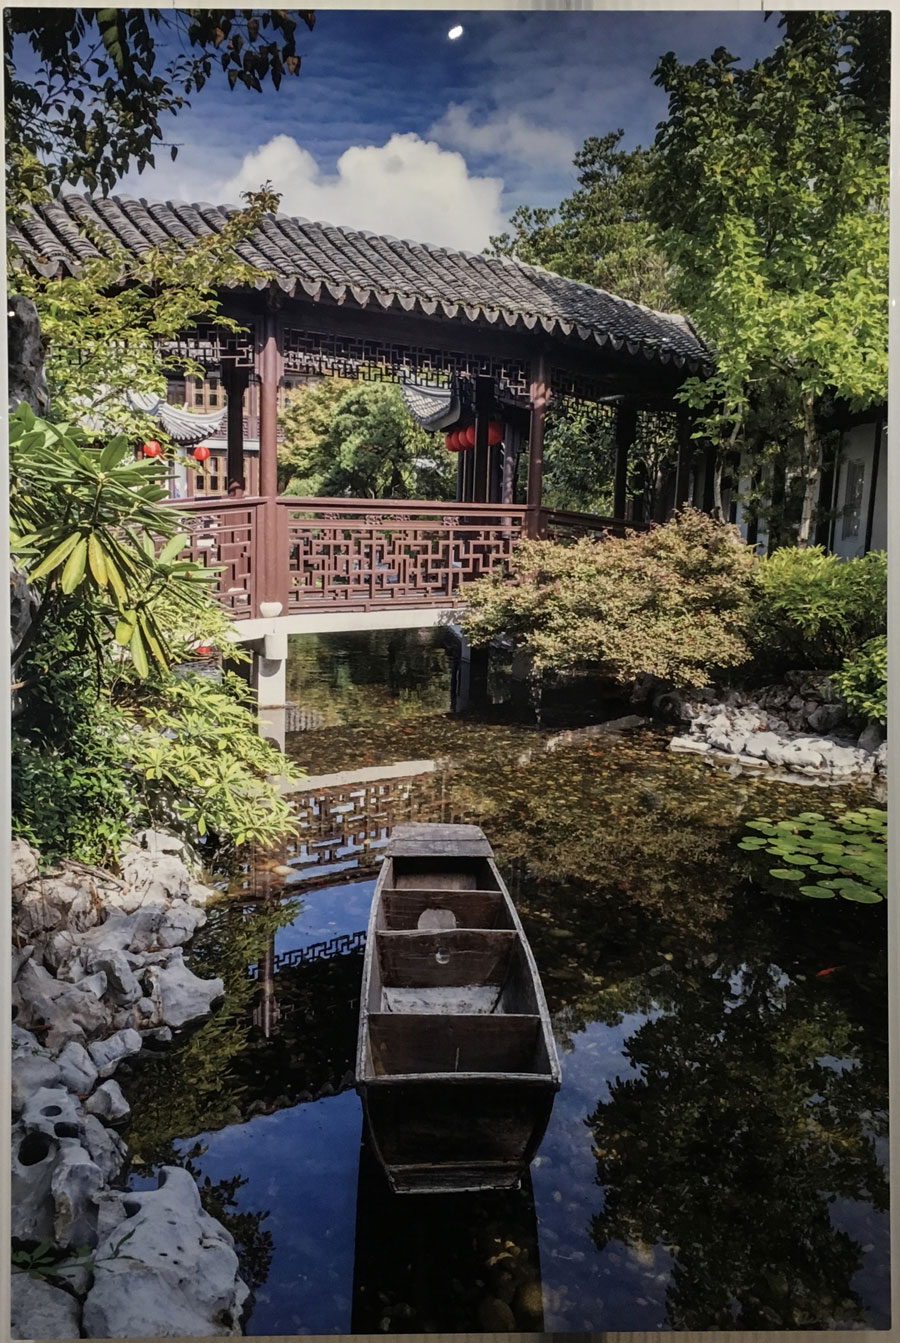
<point x="152" y="878"/>
<point x="108" y="1054"/>
<point x="108" y="1103"/>
<point x="32" y="1067"/>
<point x="105" y="1147"/>
<point x="75" y="1182"/>
<point x="178" y="994"/>
<point x="65" y="1011"/>
<point x="175" y="1277"/>
<point x="24" y="863"/>
<point x="39" y="1310"/>
<point x="77" y="1069"/>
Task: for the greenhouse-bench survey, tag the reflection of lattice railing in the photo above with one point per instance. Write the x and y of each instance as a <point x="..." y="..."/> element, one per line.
<point x="322" y="354"/>
<point x="225" y="534"/>
<point x="316" y="951"/>
<point x="364" y="555"/>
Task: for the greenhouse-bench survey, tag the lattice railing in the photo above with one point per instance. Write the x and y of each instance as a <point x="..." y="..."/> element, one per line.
<point x="225" y="533"/>
<point x="371" y="554"/>
<point x="558" y="524"/>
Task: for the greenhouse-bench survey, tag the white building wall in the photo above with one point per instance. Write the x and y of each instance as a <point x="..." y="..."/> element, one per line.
<point x="854" y="490"/>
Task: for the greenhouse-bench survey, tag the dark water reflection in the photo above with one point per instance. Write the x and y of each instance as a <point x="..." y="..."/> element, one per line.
<point x="717" y="1154"/>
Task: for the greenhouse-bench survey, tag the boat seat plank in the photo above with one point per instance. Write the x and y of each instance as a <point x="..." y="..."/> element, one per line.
<point x="414" y="959"/>
<point x="472" y="909"/>
<point x="438" y="840"/>
<point x="412" y="1043"/>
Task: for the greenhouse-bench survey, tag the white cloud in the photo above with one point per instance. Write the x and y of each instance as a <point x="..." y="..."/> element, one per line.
<point x="507" y="135"/>
<point x="409" y="187"/>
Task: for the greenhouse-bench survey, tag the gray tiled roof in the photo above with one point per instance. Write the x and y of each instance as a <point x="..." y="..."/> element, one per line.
<point x="322" y="261"/>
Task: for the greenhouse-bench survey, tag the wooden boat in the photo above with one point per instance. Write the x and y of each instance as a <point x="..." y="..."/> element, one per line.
<point x="456" y="1062"/>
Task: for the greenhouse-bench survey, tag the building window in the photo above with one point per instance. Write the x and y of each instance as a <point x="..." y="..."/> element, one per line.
<point x="853" y="497"/>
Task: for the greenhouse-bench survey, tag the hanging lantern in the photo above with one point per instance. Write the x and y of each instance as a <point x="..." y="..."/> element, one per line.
<point x="152" y="448"/>
<point x="201" y="453"/>
<point x="450" y="443"/>
<point x="469" y="436"/>
<point x="495" y="433"/>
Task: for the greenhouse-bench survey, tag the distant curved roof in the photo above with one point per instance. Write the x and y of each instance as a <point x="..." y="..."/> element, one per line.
<point x="321" y="261"/>
<point x="185" y="427"/>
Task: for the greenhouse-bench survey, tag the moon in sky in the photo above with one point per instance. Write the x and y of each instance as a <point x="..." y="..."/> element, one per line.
<point x="456" y="32"/>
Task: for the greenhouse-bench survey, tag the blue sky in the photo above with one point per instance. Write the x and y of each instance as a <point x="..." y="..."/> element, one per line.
<point x="393" y="127"/>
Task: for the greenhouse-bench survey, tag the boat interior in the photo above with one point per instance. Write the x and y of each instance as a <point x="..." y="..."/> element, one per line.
<point x="451" y="987"/>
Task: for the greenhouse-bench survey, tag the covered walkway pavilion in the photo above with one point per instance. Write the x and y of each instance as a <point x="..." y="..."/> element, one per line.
<point x="503" y="337"/>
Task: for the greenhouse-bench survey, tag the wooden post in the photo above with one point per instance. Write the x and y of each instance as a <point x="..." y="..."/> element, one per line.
<point x="710" y="462"/>
<point x="484" y="388"/>
<point x="685" y="452"/>
<point x="540" y="397"/>
<point x="269" y="365"/>
<point x="626" y="428"/>
<point x="510" y="451"/>
<point x="235" y="381"/>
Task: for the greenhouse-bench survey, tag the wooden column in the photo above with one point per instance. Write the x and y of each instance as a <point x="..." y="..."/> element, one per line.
<point x="540" y="397"/>
<point x="484" y="388"/>
<point x="510" y="451"/>
<point x="710" y="462"/>
<point x="273" y="565"/>
<point x="626" y="427"/>
<point x="235" y="381"/>
<point x="685" y="452"/>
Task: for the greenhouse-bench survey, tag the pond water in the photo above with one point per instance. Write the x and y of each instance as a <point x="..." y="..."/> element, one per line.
<point x="717" y="1155"/>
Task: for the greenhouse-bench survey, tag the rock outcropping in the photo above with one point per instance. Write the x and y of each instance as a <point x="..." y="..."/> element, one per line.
<point x="98" y="978"/>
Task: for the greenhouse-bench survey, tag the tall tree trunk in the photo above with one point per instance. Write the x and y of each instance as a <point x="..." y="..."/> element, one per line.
<point x="812" y="467"/>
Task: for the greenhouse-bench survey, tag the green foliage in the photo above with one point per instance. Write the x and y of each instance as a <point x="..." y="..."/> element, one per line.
<point x="359" y="440"/>
<point x="600" y="234"/>
<point x="672" y="601"/>
<point x="109" y="329"/>
<point x="93" y="109"/>
<point x="579" y="458"/>
<point x="812" y="609"/>
<point x="84" y="523"/>
<point x="769" y="192"/>
<point x="202" y="761"/>
<point x="848" y="853"/>
<point x="862" y="681"/>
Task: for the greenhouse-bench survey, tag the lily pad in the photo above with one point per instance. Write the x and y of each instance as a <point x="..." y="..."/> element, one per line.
<point x="801" y="859"/>
<point x="810" y="817"/>
<point x="863" y="895"/>
<point x="785" y="873"/>
<point x="818" y="892"/>
<point x="824" y="867"/>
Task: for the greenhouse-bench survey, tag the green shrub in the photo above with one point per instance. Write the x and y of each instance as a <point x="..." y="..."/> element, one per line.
<point x="862" y="681"/>
<point x="202" y="763"/>
<point x="673" y="601"/>
<point x="813" y="610"/>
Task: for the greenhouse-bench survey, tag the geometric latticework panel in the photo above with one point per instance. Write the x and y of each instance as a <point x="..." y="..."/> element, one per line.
<point x="224" y="534"/>
<point x="324" y="354"/>
<point x="391" y="553"/>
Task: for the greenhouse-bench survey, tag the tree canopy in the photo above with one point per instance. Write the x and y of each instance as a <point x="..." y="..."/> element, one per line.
<point x="359" y="439"/>
<point x="769" y="194"/>
<point x="600" y="234"/>
<point x="93" y="108"/>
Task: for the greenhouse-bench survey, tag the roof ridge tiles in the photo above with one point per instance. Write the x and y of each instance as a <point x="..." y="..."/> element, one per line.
<point x="296" y="252"/>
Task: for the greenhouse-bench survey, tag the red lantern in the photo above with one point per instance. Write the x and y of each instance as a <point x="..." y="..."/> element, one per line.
<point x="152" y="448"/>
<point x="201" y="453"/>
<point x="495" y="433"/>
<point x="469" y="436"/>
